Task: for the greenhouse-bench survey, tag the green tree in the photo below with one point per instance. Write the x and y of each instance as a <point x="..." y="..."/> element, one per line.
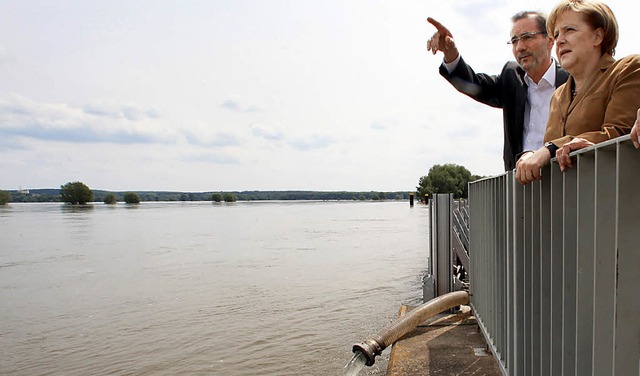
<point x="230" y="197"/>
<point x="5" y="197"/>
<point x="446" y="178"/>
<point x="76" y="193"/>
<point x="131" y="198"/>
<point x="110" y="198"/>
<point x="216" y="197"/>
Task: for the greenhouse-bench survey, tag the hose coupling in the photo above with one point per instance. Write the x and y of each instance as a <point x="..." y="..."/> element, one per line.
<point x="370" y="348"/>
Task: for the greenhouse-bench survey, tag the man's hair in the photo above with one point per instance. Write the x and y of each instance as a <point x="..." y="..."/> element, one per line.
<point x="540" y="18"/>
<point x="597" y="14"/>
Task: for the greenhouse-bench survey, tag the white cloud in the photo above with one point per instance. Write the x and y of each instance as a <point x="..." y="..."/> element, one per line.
<point x="266" y="132"/>
<point x="314" y="141"/>
<point x="4" y="55"/>
<point x="235" y="104"/>
<point x="216" y="139"/>
<point x="21" y="117"/>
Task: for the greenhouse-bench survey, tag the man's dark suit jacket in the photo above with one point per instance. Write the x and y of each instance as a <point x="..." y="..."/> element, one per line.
<point x="508" y="91"/>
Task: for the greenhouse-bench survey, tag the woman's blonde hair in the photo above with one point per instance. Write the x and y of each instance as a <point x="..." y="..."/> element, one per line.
<point x="597" y="14"/>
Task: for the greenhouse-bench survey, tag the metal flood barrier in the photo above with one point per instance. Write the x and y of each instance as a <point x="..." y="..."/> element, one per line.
<point x="555" y="265"/>
<point x="437" y="281"/>
<point x="448" y="246"/>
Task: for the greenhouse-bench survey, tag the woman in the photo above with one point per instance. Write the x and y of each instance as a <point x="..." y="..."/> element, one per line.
<point x="600" y="99"/>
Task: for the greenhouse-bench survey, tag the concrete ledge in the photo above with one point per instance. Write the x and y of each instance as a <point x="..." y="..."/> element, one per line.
<point x="448" y="344"/>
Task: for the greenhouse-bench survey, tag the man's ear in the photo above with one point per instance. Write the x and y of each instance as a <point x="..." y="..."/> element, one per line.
<point x="550" y="42"/>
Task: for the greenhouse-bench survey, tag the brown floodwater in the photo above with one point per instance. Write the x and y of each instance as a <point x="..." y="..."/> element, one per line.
<point x="250" y="288"/>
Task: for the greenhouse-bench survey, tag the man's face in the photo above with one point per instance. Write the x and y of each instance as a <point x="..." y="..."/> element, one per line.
<point x="533" y="54"/>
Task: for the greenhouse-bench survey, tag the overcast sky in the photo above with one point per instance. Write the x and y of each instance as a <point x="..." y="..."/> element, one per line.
<point x="248" y="95"/>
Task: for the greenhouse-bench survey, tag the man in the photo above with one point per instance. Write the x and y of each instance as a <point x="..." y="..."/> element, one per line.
<point x="523" y="90"/>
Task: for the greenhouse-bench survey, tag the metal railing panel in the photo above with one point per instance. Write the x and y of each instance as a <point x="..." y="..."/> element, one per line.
<point x="557" y="276"/>
<point x="527" y="277"/>
<point x="627" y="334"/>
<point x="486" y="266"/>
<point x="536" y="298"/>
<point x="585" y="235"/>
<point x="438" y="280"/>
<point x="492" y="266"/>
<point x="510" y="186"/>
<point x="502" y="262"/>
<point x="554" y="265"/>
<point x="444" y="264"/>
<point x="605" y="261"/>
<point x="518" y="281"/>
<point x="545" y="273"/>
<point x="475" y="203"/>
<point x="569" y="261"/>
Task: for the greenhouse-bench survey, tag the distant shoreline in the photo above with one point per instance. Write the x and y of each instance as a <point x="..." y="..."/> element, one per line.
<point x="53" y="195"/>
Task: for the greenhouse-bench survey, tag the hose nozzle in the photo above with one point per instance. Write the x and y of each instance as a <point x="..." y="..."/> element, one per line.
<point x="370" y="348"/>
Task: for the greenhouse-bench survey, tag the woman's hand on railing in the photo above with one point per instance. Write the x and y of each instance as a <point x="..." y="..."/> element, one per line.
<point x="635" y="131"/>
<point x="562" y="154"/>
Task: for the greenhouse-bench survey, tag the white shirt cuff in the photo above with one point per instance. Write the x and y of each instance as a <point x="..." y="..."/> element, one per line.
<point x="452" y="65"/>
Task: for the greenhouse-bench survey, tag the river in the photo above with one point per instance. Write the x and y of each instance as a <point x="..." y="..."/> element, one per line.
<point x="196" y="288"/>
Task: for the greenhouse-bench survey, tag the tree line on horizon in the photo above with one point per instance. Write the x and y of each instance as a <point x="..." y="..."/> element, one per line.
<point x="87" y="195"/>
<point x="446" y="178"/>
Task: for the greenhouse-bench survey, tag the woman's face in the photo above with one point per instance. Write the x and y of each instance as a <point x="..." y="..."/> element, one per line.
<point x="576" y="41"/>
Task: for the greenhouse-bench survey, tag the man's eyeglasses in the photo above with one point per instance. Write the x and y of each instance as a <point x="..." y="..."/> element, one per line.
<point x="525" y="37"/>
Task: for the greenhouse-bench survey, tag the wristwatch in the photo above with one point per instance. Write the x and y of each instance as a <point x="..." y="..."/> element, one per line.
<point x="552" y="148"/>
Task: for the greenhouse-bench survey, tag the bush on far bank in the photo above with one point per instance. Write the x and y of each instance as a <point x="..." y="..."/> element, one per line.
<point x="131" y="198"/>
<point x="110" y="199"/>
<point x="76" y="193"/>
<point x="5" y="197"/>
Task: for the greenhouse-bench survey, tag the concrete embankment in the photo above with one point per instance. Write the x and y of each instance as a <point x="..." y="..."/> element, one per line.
<point x="448" y="344"/>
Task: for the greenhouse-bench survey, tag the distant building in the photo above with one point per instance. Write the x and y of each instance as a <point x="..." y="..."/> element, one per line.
<point x="23" y="191"/>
